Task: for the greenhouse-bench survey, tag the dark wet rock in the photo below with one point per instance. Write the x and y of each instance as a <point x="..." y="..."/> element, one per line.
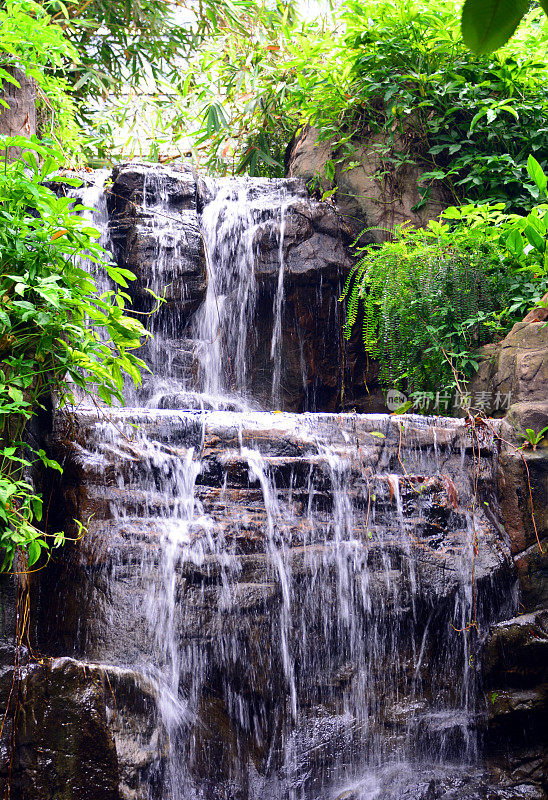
<point x="532" y="569"/>
<point x="438" y="782"/>
<point x="515" y="671"/>
<point x="136" y="185"/>
<point x="519" y="706"/>
<point x="516" y="651"/>
<point x="86" y="731"/>
<point x="155" y="231"/>
<point x="141" y="742"/>
<point x="314" y="244"/>
<point x="64" y="747"/>
<point x="401" y="561"/>
<point x="409" y="489"/>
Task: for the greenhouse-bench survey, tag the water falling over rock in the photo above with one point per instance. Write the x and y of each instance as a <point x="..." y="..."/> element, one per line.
<point x="284" y="605"/>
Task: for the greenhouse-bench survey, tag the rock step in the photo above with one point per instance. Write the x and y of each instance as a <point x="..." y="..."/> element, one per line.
<point x="303" y="431"/>
<point x="428" y="514"/>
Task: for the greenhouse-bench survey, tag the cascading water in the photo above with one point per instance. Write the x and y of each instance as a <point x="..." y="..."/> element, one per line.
<point x="304" y="591"/>
<point x="275" y="349"/>
<point x="230" y="222"/>
<point x="92" y="197"/>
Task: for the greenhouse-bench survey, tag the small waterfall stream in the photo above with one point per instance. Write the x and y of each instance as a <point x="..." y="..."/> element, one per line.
<point x="304" y="591"/>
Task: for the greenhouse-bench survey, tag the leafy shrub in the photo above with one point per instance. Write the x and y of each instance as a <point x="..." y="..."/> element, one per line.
<point x="429" y="298"/>
<point x="399" y="69"/>
<point x="47" y="342"/>
<point x="30" y="42"/>
<point x="473" y="119"/>
<point x="523" y="238"/>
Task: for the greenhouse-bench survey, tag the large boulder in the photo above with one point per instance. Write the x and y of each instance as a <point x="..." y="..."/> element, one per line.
<point x="85" y="731"/>
<point x="155" y="232"/>
<point x="316" y="262"/>
<point x="515" y="370"/>
<point x="64" y="749"/>
<point x="370" y="191"/>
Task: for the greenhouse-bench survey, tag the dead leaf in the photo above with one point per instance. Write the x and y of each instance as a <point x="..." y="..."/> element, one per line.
<point x="58" y="234"/>
<point x="451" y="490"/>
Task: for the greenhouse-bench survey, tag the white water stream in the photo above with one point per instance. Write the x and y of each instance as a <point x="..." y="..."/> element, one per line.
<point x="306" y="630"/>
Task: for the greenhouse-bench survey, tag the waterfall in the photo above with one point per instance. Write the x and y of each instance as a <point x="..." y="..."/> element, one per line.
<point x="303" y="590"/>
<point x="275" y="349"/>
<point x="92" y="199"/>
<point x="230" y="222"/>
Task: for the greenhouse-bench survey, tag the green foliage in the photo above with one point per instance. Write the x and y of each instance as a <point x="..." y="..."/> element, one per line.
<point x="47" y="343"/>
<point x="488" y="24"/>
<point x="30" y="42"/>
<point x="131" y="54"/>
<point x="137" y="44"/>
<point x="395" y="71"/>
<point x="429" y="299"/>
<point x="533" y="438"/>
<point x="522" y="238"/>
<point x="473" y="120"/>
<point x="88" y="58"/>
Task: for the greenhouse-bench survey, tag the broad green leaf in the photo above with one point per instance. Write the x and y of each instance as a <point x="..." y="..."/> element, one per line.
<point x="514" y="243"/>
<point x="404" y="408"/>
<point x="536" y="172"/>
<point x="33" y="552"/>
<point x="534" y="238"/>
<point x="488" y="24"/>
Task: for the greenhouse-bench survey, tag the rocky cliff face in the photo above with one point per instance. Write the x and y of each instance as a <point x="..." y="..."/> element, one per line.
<point x="515" y="671"/>
<point x="306" y="606"/>
<point x="157" y="230"/>
<point x="375" y="530"/>
<point x="372" y="530"/>
<point x="371" y="192"/>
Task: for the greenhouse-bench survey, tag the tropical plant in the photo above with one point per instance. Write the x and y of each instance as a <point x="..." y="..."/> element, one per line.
<point x="57" y="332"/>
<point x="521" y="238"/>
<point x="428" y="298"/>
<point x="29" y="42"/>
<point x="138" y="43"/>
<point x="397" y="73"/>
<point x="533" y="438"/>
<point x="130" y="58"/>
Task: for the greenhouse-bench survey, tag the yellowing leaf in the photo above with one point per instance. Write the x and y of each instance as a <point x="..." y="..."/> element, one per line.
<point x="58" y="234"/>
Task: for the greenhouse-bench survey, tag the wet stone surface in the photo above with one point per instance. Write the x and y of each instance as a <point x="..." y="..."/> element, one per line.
<point x="334" y="580"/>
<point x="295" y="606"/>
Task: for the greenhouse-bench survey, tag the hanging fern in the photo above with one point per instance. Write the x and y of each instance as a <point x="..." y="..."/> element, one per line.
<point x="429" y="298"/>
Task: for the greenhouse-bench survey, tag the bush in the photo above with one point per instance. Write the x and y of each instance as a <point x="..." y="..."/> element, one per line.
<point x="47" y="342"/>
<point x="429" y="299"/>
<point x="399" y="69"/>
